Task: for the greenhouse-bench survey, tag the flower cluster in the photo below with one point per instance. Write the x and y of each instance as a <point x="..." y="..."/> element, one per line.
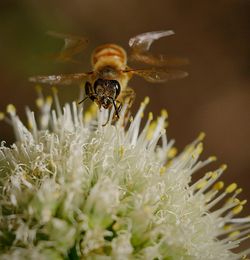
<point x="73" y="189"/>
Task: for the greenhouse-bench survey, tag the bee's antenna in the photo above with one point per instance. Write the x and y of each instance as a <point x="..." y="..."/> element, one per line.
<point x="83" y="100"/>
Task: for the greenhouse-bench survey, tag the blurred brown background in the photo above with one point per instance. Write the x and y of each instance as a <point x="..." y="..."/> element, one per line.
<point x="214" y="35"/>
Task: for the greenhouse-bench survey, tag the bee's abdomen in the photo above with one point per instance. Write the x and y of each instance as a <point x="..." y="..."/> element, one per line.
<point x="109" y="55"/>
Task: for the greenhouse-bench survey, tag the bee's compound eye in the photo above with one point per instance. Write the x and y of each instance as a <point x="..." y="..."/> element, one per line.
<point x="117" y="88"/>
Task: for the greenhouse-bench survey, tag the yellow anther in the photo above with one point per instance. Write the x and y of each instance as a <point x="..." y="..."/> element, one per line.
<point x="201" y="136"/>
<point x="237" y="201"/>
<point x="30" y="126"/>
<point x="163" y="197"/>
<point x="199" y="148"/>
<point x="172" y="152"/>
<point x="54" y="89"/>
<point x="234" y="234"/>
<point x="121" y="151"/>
<point x="237" y="209"/>
<point x="223" y="167"/>
<point x="90" y="113"/>
<point x="87" y="117"/>
<point x="93" y="108"/>
<point x="232" y="187"/>
<point x="166" y="124"/>
<point x="151" y="129"/>
<point x="164" y="113"/>
<point x="212" y="158"/>
<point x="49" y="100"/>
<point x="243" y="202"/>
<point x="230" y="200"/>
<point x="142" y="115"/>
<point x="238" y="191"/>
<point x="169" y="163"/>
<point x="209" y="174"/>
<point x="2" y="116"/>
<point x="214" y="175"/>
<point x="150" y="116"/>
<point x="39" y="102"/>
<point x="189" y="149"/>
<point x="146" y="101"/>
<point x="218" y="185"/>
<point x="227" y="227"/>
<point x="162" y="170"/>
<point x="116" y="226"/>
<point x="11" y="109"/>
<point x="201" y="184"/>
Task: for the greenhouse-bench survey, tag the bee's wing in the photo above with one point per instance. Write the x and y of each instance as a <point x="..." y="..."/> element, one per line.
<point x="140" y="45"/>
<point x="158" y="60"/>
<point x="64" y="79"/>
<point x="142" y="42"/>
<point x="158" y="75"/>
<point x="72" y="45"/>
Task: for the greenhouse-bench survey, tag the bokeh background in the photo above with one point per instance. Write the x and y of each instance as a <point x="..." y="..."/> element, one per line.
<point x="214" y="35"/>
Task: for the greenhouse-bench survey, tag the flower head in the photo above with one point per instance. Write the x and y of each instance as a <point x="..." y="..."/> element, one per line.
<point x="71" y="188"/>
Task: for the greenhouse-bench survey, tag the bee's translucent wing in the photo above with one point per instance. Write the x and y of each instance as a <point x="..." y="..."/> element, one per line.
<point x="158" y="75"/>
<point x="142" y="42"/>
<point x="140" y="45"/>
<point x="158" y="60"/>
<point x="72" y="45"/>
<point x="64" y="79"/>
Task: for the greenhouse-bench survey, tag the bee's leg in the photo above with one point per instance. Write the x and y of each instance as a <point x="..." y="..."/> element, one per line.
<point x="107" y="119"/>
<point x="127" y="96"/>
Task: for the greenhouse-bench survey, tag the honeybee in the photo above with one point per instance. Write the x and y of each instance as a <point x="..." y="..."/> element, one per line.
<point x="107" y="83"/>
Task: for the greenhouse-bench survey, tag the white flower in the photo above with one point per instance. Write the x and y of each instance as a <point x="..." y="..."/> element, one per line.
<point x="73" y="189"/>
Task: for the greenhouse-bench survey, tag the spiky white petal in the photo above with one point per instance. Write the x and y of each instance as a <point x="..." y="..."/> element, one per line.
<point x="73" y="188"/>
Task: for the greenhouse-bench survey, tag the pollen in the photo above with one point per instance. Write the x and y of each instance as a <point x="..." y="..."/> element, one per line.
<point x="162" y="170"/>
<point x="201" y="184"/>
<point x="49" y="100"/>
<point x="223" y="167"/>
<point x="198" y="150"/>
<point x="237" y="209"/>
<point x="11" y="109"/>
<point x="54" y="90"/>
<point x="150" y="116"/>
<point x="231" y="188"/>
<point x="121" y="151"/>
<point x="218" y="185"/>
<point x="151" y="129"/>
<point x="2" y="116"/>
<point x="234" y="234"/>
<point x="201" y="136"/>
<point x="164" y="113"/>
<point x="87" y="117"/>
<point x="39" y="102"/>
<point x="212" y="158"/>
<point x="172" y="152"/>
<point x="146" y="101"/>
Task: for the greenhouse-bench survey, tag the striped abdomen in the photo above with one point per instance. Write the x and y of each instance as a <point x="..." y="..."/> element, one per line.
<point x="109" y="55"/>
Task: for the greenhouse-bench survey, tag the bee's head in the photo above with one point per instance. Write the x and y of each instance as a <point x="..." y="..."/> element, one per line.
<point x="106" y="91"/>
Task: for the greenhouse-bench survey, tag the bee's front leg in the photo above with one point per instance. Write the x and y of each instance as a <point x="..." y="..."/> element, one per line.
<point x="127" y="96"/>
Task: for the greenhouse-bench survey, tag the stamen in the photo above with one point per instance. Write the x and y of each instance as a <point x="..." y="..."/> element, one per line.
<point x="11" y="109"/>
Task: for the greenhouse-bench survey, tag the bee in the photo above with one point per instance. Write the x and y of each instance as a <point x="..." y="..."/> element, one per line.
<point x="107" y="83"/>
